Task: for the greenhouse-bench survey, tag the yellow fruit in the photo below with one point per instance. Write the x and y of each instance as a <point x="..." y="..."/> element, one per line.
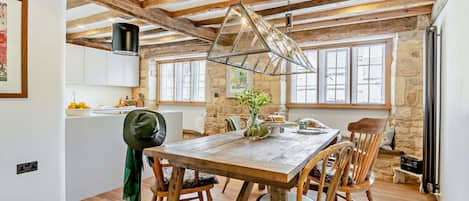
<point x="72" y="105"/>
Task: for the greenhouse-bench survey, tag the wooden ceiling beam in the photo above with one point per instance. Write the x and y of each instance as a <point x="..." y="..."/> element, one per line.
<point x="213" y="6"/>
<point x="273" y="11"/>
<point x="87" y="43"/>
<point x="76" y="3"/>
<point x="93" y="19"/>
<point x="174" y="48"/>
<point x="365" y="18"/>
<point x="158" y="17"/>
<point x="356" y="30"/>
<point x="355" y="14"/>
<point x="155" y="3"/>
<point x="162" y="39"/>
<point x="142" y="33"/>
<point x="98" y="31"/>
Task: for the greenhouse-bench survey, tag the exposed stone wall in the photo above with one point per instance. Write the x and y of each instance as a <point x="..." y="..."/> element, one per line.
<point x="219" y="108"/>
<point x="407" y="110"/>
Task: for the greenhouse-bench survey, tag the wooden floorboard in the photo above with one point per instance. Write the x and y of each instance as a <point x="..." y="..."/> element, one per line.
<point x="383" y="191"/>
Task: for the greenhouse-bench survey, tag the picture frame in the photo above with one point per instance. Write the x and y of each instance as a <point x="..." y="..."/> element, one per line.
<point x="13" y="48"/>
<point x="237" y="80"/>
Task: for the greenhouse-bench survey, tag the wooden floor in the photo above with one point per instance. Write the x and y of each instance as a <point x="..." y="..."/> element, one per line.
<point x="383" y="191"/>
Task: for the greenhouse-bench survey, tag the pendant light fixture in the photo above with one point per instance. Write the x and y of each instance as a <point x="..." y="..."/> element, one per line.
<point x="245" y="40"/>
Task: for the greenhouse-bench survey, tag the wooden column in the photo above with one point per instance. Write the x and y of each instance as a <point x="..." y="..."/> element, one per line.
<point x="245" y="191"/>
<point x="175" y="184"/>
<point x="278" y="194"/>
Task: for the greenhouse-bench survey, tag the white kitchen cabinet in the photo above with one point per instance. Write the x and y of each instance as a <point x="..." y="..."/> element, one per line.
<point x="74" y="64"/>
<point x="96" y="63"/>
<point x="123" y="70"/>
<point x="89" y="66"/>
<point x="132" y="71"/>
<point x="115" y="70"/>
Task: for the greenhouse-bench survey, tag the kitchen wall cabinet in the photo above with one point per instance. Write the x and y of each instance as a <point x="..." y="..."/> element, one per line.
<point x="74" y="63"/>
<point x="89" y="66"/>
<point x="123" y="70"/>
<point x="96" y="62"/>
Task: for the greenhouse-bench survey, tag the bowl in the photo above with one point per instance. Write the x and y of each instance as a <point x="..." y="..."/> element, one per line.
<point x="78" y="112"/>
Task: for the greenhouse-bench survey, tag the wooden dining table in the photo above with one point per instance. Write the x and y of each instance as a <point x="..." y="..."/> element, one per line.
<point x="275" y="161"/>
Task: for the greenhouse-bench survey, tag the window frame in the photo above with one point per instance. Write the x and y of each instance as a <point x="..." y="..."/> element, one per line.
<point x="387" y="79"/>
<point x="174" y="102"/>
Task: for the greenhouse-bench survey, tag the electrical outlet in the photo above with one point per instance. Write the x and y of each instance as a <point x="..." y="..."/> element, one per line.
<point x="26" y="167"/>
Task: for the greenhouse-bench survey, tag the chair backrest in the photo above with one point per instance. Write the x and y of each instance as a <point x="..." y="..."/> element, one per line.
<point x="342" y="154"/>
<point x="233" y="123"/>
<point x="366" y="135"/>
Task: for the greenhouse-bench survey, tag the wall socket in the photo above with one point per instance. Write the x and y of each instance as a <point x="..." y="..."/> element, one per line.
<point x="26" y="167"/>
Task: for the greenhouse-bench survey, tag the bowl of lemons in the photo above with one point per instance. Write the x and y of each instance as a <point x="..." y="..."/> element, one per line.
<point x="78" y="109"/>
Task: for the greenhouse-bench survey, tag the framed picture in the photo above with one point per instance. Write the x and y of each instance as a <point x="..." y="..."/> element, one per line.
<point x="237" y="80"/>
<point x="13" y="48"/>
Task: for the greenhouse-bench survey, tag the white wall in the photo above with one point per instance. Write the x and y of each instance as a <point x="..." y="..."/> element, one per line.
<point x="96" y="95"/>
<point x="335" y="118"/>
<point x="33" y="129"/>
<point x="193" y="116"/>
<point x="455" y="98"/>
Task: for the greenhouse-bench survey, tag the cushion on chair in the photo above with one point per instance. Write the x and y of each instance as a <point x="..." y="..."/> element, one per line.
<point x="189" y="178"/>
<point x="316" y="172"/>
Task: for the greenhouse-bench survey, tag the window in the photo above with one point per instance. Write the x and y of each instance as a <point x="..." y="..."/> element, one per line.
<point x="182" y="81"/>
<point x="348" y="76"/>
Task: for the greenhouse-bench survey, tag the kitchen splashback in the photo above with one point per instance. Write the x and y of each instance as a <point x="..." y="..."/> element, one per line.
<point x="96" y="95"/>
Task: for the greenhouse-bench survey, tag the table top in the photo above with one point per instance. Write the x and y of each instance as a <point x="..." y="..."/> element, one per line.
<point x="276" y="160"/>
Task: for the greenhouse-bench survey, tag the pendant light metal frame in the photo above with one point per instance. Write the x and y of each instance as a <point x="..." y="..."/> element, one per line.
<point x="301" y="60"/>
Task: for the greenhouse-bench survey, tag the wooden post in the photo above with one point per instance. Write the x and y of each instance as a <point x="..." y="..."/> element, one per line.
<point x="245" y="191"/>
<point x="175" y="184"/>
<point x="278" y="194"/>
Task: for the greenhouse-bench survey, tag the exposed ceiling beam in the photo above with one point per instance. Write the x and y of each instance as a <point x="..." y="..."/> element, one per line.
<point x="155" y="3"/>
<point x="142" y="33"/>
<point x="213" y="6"/>
<point x="98" y="31"/>
<point x="175" y="48"/>
<point x="76" y="3"/>
<point x="162" y="39"/>
<point x="93" y="19"/>
<point x="273" y="11"/>
<point x="367" y="8"/>
<point x="86" y="43"/>
<point x="365" y="18"/>
<point x="356" y="30"/>
<point x="355" y="14"/>
<point x="158" y="17"/>
<point x="317" y="35"/>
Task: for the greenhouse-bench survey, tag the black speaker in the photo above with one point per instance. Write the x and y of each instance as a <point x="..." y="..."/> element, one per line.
<point x="125" y="39"/>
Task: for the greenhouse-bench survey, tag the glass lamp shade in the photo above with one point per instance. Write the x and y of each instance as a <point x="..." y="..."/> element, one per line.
<point x="245" y="40"/>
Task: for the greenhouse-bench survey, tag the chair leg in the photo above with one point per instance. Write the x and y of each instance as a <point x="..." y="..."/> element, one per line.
<point x="201" y="196"/>
<point x="348" y="196"/>
<point x="154" y="197"/>
<point x="209" y="196"/>
<point x="160" y="198"/>
<point x="369" y="195"/>
<point x="306" y="186"/>
<point x="226" y="184"/>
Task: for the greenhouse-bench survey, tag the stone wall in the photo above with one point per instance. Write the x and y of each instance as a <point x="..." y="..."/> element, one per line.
<point x="407" y="109"/>
<point x="221" y="107"/>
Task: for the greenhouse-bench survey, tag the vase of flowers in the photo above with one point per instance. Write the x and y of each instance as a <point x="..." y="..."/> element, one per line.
<point x="254" y="100"/>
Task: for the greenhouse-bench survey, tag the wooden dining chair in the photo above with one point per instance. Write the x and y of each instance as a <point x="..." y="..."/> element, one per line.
<point x="342" y="154"/>
<point x="366" y="135"/>
<point x="194" y="182"/>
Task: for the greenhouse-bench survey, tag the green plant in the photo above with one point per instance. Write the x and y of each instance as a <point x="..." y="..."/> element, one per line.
<point x="254" y="100"/>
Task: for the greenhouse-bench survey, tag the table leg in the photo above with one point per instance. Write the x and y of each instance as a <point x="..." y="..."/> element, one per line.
<point x="245" y="191"/>
<point x="278" y="194"/>
<point x="175" y="184"/>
